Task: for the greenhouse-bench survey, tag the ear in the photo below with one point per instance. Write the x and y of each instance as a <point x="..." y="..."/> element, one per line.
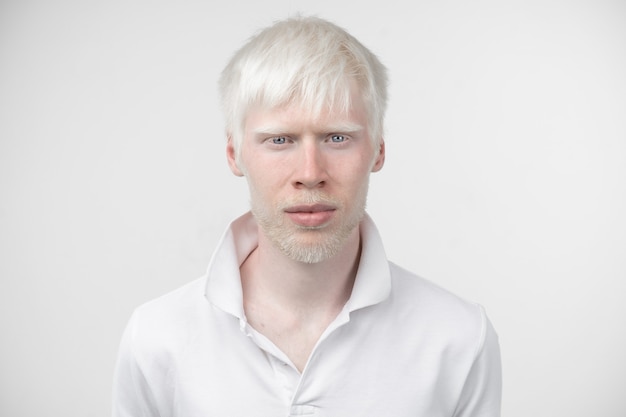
<point x="380" y="158"/>
<point x="231" y="156"/>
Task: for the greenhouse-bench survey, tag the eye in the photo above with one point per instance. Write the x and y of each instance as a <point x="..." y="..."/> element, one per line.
<point x="337" y="138"/>
<point x="279" y="140"/>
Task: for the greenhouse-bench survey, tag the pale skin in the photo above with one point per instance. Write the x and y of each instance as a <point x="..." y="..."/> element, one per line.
<point x="285" y="154"/>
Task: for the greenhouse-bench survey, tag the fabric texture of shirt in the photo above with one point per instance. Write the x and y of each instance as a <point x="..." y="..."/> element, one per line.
<point x="400" y="347"/>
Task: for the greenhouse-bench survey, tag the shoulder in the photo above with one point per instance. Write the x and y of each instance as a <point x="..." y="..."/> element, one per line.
<point x="454" y="334"/>
<point x="155" y="339"/>
<point x="168" y="319"/>
<point x="175" y="303"/>
<point x="425" y="293"/>
<point x="442" y="313"/>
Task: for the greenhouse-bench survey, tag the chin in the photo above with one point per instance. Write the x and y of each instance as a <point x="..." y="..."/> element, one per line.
<point x="312" y="246"/>
<point x="309" y="254"/>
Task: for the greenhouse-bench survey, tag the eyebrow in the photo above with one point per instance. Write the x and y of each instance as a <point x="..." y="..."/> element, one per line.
<point x="332" y="128"/>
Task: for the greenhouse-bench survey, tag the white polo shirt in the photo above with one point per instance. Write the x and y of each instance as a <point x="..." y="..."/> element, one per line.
<point x="400" y="347"/>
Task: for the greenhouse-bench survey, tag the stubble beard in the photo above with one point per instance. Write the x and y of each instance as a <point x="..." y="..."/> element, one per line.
<point x="308" y="244"/>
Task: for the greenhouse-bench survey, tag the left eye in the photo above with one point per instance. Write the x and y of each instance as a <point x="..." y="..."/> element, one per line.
<point x="279" y="140"/>
<point x="337" y="138"/>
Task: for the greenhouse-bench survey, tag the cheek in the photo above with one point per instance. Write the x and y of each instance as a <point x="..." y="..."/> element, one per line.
<point x="266" y="171"/>
<point x="261" y="183"/>
<point x="358" y="170"/>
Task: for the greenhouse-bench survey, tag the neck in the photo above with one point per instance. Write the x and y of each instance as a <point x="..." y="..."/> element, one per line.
<point x="292" y="302"/>
<point x="271" y="278"/>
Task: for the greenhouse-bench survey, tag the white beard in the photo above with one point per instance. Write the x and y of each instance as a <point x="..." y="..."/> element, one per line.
<point x="309" y="244"/>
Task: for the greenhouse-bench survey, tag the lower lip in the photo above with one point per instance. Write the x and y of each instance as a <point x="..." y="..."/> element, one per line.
<point x="314" y="219"/>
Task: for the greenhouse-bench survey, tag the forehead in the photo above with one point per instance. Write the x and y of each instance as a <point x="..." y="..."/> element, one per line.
<point x="350" y="116"/>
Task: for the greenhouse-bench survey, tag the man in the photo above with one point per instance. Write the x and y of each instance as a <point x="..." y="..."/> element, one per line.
<point x="300" y="312"/>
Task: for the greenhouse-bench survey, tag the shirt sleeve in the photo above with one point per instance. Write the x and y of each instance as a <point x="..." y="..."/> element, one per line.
<point x="482" y="391"/>
<point x="132" y="395"/>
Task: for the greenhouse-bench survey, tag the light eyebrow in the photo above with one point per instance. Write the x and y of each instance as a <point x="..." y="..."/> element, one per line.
<point x="332" y="128"/>
<point x="269" y="130"/>
<point x="343" y="128"/>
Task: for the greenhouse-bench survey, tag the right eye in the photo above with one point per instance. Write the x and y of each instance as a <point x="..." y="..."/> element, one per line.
<point x="279" y="140"/>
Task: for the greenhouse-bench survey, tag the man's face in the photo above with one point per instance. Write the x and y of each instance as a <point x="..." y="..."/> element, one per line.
<point x="308" y="177"/>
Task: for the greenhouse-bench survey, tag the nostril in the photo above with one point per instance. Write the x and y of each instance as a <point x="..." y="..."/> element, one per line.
<point x="311" y="184"/>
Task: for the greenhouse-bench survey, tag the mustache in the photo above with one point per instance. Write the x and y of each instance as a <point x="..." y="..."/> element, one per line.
<point x="309" y="198"/>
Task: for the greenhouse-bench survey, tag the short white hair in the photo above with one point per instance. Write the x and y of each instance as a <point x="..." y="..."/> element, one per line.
<point x="305" y="61"/>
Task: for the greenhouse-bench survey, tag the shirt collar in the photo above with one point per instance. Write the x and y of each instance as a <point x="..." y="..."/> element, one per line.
<point x="223" y="281"/>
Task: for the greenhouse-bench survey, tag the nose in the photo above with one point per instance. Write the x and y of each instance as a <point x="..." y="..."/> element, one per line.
<point x="311" y="166"/>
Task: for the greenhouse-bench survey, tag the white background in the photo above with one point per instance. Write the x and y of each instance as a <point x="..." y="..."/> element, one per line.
<point x="505" y="179"/>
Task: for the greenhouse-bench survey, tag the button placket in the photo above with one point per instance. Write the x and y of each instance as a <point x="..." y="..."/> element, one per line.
<point x="299" y="406"/>
<point x="302" y="410"/>
<point x="287" y="377"/>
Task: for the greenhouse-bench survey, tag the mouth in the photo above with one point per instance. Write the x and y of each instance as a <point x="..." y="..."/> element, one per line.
<point x="306" y="208"/>
<point x="311" y="216"/>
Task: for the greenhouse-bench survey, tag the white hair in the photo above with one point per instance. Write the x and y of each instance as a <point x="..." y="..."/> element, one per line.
<point x="304" y="61"/>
